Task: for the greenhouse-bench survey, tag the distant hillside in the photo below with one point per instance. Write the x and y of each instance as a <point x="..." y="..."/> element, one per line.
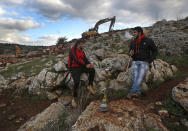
<point x="6" y="48"/>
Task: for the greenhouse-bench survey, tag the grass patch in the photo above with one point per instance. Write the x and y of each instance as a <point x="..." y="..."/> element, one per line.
<point x="62" y="124"/>
<point x="34" y="67"/>
<point x="175" y="60"/>
<point x="173" y="107"/>
<point x="112" y="94"/>
<point x="33" y="97"/>
<point x="177" y="111"/>
<point x="154" y="84"/>
<point x="174" y="126"/>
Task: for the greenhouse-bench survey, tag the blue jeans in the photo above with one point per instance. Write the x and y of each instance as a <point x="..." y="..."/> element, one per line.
<point x="139" y="68"/>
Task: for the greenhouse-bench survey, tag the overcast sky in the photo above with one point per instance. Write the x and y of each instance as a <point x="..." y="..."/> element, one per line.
<point x="42" y="22"/>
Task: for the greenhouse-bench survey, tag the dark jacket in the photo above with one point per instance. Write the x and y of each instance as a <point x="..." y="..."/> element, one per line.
<point x="77" y="58"/>
<point x="146" y="50"/>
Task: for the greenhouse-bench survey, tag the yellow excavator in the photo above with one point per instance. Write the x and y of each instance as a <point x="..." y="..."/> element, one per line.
<point x="94" y="31"/>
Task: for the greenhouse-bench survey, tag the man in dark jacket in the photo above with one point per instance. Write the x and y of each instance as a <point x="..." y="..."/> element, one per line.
<point x="78" y="64"/>
<point x="143" y="51"/>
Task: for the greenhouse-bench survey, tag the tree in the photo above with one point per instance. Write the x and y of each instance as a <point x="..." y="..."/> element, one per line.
<point x="61" y="40"/>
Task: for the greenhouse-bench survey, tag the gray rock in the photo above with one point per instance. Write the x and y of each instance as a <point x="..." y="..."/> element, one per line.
<point x="48" y="120"/>
<point x="184" y="122"/>
<point x="126" y="116"/>
<point x="60" y="66"/>
<point x="180" y="94"/>
<point x="100" y="53"/>
<point x="42" y="82"/>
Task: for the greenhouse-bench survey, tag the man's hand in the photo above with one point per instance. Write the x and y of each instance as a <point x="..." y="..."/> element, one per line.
<point x="131" y="52"/>
<point x="89" y="66"/>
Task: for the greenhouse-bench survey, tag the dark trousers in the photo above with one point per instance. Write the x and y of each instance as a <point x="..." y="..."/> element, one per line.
<point x="76" y="73"/>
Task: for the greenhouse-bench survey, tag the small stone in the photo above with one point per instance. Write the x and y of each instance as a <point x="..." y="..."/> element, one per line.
<point x="151" y="106"/>
<point x="58" y="92"/>
<point x="66" y="103"/>
<point x="17" y="121"/>
<point x="65" y="100"/>
<point x="17" y="97"/>
<point x="184" y="122"/>
<point x="172" y="116"/>
<point x="11" y="117"/>
<point x="51" y="96"/>
<point x="163" y="113"/>
<point x="3" y="105"/>
<point x="158" y="103"/>
<point x="120" y="118"/>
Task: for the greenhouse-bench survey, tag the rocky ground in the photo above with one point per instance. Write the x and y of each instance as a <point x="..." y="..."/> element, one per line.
<point x="152" y="103"/>
<point x="16" y="110"/>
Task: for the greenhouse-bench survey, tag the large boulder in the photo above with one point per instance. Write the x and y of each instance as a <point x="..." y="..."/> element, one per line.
<point x="180" y="94"/>
<point x="60" y="66"/>
<point x="42" y="82"/>
<point x="123" y="115"/>
<point x="48" y="120"/>
<point x="118" y="63"/>
<point x="171" y="37"/>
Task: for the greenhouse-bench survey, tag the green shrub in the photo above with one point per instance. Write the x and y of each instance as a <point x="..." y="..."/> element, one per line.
<point x="175" y="60"/>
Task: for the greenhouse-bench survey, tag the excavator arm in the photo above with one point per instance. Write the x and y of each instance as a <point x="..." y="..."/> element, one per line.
<point x="104" y="21"/>
<point x="94" y="31"/>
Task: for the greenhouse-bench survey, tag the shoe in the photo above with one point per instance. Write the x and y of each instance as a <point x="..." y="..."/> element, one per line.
<point x="135" y="95"/>
<point x="129" y="95"/>
<point x="91" y="90"/>
<point x="74" y="103"/>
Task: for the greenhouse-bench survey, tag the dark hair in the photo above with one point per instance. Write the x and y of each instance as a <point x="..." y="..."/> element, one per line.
<point x="79" y="41"/>
<point x="138" y="29"/>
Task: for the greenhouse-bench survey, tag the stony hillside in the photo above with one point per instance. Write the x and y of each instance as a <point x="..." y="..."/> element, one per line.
<point x="6" y="48"/>
<point x="47" y="75"/>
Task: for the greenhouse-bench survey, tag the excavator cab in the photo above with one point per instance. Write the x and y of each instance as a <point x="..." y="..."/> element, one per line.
<point x="94" y="31"/>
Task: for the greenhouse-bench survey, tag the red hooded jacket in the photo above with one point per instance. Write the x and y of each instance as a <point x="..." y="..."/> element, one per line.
<point x="77" y="58"/>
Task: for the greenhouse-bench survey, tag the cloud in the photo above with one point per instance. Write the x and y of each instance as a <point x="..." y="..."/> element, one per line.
<point x="2" y="11"/>
<point x="47" y="40"/>
<point x="11" y="29"/>
<point x="7" y="36"/>
<point x="18" y="24"/>
<point x="88" y="10"/>
<point x="11" y="2"/>
<point x="136" y="11"/>
<point x="10" y="36"/>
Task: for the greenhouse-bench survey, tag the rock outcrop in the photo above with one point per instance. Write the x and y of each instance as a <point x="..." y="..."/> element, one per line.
<point x="48" y="120"/>
<point x="123" y="115"/>
<point x="180" y="94"/>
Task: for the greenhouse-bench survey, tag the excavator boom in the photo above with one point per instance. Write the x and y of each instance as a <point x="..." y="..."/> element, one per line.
<point x="113" y="19"/>
<point x="94" y="31"/>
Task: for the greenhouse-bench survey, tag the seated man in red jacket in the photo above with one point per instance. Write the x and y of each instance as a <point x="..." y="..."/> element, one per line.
<point x="78" y="64"/>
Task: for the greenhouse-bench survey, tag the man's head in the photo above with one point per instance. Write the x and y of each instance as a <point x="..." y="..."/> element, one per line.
<point x="79" y="43"/>
<point x="137" y="31"/>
